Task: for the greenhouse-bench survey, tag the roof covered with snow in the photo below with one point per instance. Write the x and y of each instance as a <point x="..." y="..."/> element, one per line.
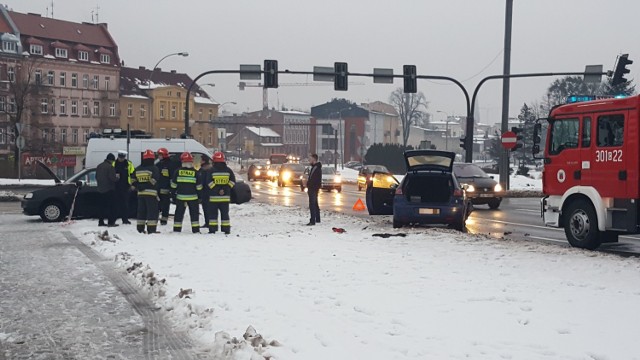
<point x="262" y="131"/>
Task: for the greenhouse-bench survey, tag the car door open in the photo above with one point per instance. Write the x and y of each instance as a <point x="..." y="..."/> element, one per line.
<point x="380" y="192"/>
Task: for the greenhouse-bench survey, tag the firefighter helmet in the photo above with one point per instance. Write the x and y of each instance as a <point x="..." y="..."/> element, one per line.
<point x="148" y="154"/>
<point x="218" y="156"/>
<point x="186" y="157"/>
<point x="163" y="152"/>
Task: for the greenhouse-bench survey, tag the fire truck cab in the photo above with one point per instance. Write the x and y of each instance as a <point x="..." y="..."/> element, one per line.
<point x="591" y="170"/>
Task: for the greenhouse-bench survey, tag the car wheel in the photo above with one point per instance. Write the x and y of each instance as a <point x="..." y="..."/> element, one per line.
<point x="581" y="225"/>
<point x="494" y="204"/>
<point x="52" y="211"/>
<point x="459" y="224"/>
<point x="397" y="224"/>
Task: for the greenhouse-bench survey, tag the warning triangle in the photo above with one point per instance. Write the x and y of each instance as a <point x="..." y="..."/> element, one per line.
<point x="359" y="206"/>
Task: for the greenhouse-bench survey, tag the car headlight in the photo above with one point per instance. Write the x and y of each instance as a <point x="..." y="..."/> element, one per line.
<point x="497" y="188"/>
<point x="470" y="188"/>
<point x="28" y="196"/>
<point x="257" y="173"/>
<point x="286" y="176"/>
<point x="337" y="179"/>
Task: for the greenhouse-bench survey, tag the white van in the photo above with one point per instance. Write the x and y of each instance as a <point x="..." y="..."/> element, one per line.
<point x="99" y="148"/>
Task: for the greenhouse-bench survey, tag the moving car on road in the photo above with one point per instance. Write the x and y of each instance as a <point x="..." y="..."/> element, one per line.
<point x="365" y="172"/>
<point x="428" y="194"/>
<point x="331" y="179"/>
<point x="290" y="174"/>
<point x="258" y="171"/>
<point x="481" y="188"/>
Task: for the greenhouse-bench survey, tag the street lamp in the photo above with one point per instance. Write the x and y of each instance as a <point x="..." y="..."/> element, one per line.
<point x="184" y="54"/>
<point x="446" y="141"/>
<point x="339" y="112"/>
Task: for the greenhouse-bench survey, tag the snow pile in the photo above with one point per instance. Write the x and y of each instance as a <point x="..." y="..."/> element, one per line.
<point x="26" y="182"/>
<point x="430" y="294"/>
<point x="520" y="182"/>
<point x="6" y="196"/>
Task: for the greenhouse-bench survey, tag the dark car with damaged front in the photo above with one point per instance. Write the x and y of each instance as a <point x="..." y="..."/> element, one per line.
<point x="428" y="194"/>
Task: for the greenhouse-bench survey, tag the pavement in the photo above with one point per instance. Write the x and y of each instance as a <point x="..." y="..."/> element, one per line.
<point x="59" y="299"/>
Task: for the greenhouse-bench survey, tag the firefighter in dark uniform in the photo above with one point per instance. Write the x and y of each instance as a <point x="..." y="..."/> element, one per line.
<point x="166" y="168"/>
<point x="204" y="194"/>
<point x="145" y="179"/>
<point x="185" y="187"/>
<point x="123" y="168"/>
<point x="220" y="180"/>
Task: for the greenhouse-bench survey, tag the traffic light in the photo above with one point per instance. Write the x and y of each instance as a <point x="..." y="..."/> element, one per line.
<point x="341" y="80"/>
<point x="270" y="73"/>
<point x="621" y="70"/>
<point x="463" y="143"/>
<point x="410" y="80"/>
<point x="519" y="137"/>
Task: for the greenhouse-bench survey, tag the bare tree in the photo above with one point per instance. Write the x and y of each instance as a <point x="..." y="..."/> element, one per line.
<point x="411" y="108"/>
<point x="24" y="85"/>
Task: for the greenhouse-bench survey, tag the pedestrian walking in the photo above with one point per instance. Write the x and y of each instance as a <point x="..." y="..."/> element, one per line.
<point x="166" y="167"/>
<point x="124" y="168"/>
<point x="204" y="194"/>
<point x="145" y="179"/>
<point x="314" y="183"/>
<point x="186" y="188"/>
<point x="106" y="178"/>
<point x="220" y="180"/>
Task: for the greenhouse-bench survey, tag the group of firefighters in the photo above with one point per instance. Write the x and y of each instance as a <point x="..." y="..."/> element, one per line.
<point x="157" y="184"/>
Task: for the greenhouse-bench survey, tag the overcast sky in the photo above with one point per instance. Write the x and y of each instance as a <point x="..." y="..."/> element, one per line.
<point x="456" y="38"/>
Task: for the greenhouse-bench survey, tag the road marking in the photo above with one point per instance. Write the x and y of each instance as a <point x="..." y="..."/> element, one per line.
<point x="529" y="210"/>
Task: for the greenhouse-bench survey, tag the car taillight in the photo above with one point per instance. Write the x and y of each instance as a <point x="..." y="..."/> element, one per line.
<point x="458" y="192"/>
<point x="399" y="191"/>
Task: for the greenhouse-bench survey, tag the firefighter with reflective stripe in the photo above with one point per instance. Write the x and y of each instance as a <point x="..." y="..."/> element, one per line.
<point x="166" y="167"/>
<point x="124" y="168"/>
<point x="220" y="180"/>
<point x="145" y="179"/>
<point x="186" y="188"/>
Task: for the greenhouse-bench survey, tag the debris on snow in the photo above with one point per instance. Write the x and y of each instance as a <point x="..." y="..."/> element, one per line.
<point x="184" y="293"/>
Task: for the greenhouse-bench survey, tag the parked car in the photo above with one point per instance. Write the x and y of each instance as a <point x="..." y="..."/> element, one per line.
<point x="353" y="165"/>
<point x="258" y="171"/>
<point x="290" y="174"/>
<point x="364" y="174"/>
<point x="481" y="188"/>
<point x="53" y="203"/>
<point x="331" y="179"/>
<point x="428" y="194"/>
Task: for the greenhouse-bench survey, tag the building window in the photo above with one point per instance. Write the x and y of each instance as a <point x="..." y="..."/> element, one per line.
<point x="96" y="81"/>
<point x="12" y="105"/>
<point x="174" y="133"/>
<point x="112" y="109"/>
<point x="173" y="111"/>
<point x="85" y="108"/>
<point x="3" y="138"/>
<point x="85" y="136"/>
<point x="210" y="138"/>
<point x="105" y="59"/>
<point x="63" y="136"/>
<point x="63" y="107"/>
<point x="74" y="80"/>
<point x="44" y="106"/>
<point x="143" y="111"/>
<point x="61" y="53"/>
<point x="161" y="111"/>
<point x="210" y="115"/>
<point x="3" y="103"/>
<point x="129" y="110"/>
<point x="106" y="82"/>
<point x="45" y="135"/>
<point x="85" y="81"/>
<point x="96" y="108"/>
<point x="74" y="107"/>
<point x="9" y="46"/>
<point x="11" y="73"/>
<point x="63" y="79"/>
<point x="74" y="136"/>
<point x="83" y="55"/>
<point x="51" y="76"/>
<point x="35" y="49"/>
<point x="162" y="133"/>
<point x="38" y="77"/>
<point x="200" y="114"/>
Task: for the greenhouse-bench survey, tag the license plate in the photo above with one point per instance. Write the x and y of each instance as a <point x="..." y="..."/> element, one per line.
<point x="486" y="195"/>
<point x="428" y="211"/>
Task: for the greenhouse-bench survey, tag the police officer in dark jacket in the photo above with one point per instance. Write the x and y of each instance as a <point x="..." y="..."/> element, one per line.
<point x="314" y="183"/>
<point x="166" y="167"/>
<point x="123" y="168"/>
<point x="219" y="180"/>
<point x="145" y="179"/>
<point x="186" y="188"/>
<point x="106" y="178"/>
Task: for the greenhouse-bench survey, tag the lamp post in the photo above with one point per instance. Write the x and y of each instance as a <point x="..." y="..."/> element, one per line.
<point x="446" y="139"/>
<point x="339" y="112"/>
<point x="184" y="54"/>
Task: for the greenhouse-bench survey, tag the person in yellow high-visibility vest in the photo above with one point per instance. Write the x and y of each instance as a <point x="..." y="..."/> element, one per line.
<point x="124" y="168"/>
<point x="220" y="180"/>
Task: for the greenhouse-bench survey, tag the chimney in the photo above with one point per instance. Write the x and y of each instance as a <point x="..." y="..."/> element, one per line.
<point x="141" y="68"/>
<point x="173" y="71"/>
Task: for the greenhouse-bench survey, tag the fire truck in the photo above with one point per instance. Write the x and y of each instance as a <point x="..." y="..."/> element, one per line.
<point x="591" y="176"/>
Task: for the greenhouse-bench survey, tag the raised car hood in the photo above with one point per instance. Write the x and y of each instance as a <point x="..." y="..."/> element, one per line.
<point x="50" y="172"/>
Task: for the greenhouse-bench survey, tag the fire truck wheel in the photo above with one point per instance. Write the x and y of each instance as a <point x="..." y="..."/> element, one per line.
<point x="581" y="225"/>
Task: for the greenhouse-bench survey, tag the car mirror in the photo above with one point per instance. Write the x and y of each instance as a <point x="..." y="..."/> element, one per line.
<point x="80" y="183"/>
<point x="492" y="177"/>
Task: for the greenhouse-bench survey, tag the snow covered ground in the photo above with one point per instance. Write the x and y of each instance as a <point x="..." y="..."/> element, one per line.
<point x="313" y="293"/>
<point x="26" y="182"/>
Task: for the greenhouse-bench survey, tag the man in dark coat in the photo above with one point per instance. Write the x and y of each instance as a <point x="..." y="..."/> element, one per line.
<point x="106" y="178"/>
<point x="314" y="183"/>
<point x="124" y="168"/>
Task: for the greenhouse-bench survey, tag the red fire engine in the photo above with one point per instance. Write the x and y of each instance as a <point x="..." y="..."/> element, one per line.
<point x="591" y="176"/>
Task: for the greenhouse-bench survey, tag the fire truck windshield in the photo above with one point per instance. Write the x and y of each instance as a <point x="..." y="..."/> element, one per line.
<point x="564" y="135"/>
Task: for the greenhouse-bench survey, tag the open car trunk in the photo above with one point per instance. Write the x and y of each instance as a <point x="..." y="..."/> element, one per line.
<point x="429" y="189"/>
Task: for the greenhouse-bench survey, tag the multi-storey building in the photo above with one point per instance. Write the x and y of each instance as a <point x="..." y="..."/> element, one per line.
<point x="60" y="81"/>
